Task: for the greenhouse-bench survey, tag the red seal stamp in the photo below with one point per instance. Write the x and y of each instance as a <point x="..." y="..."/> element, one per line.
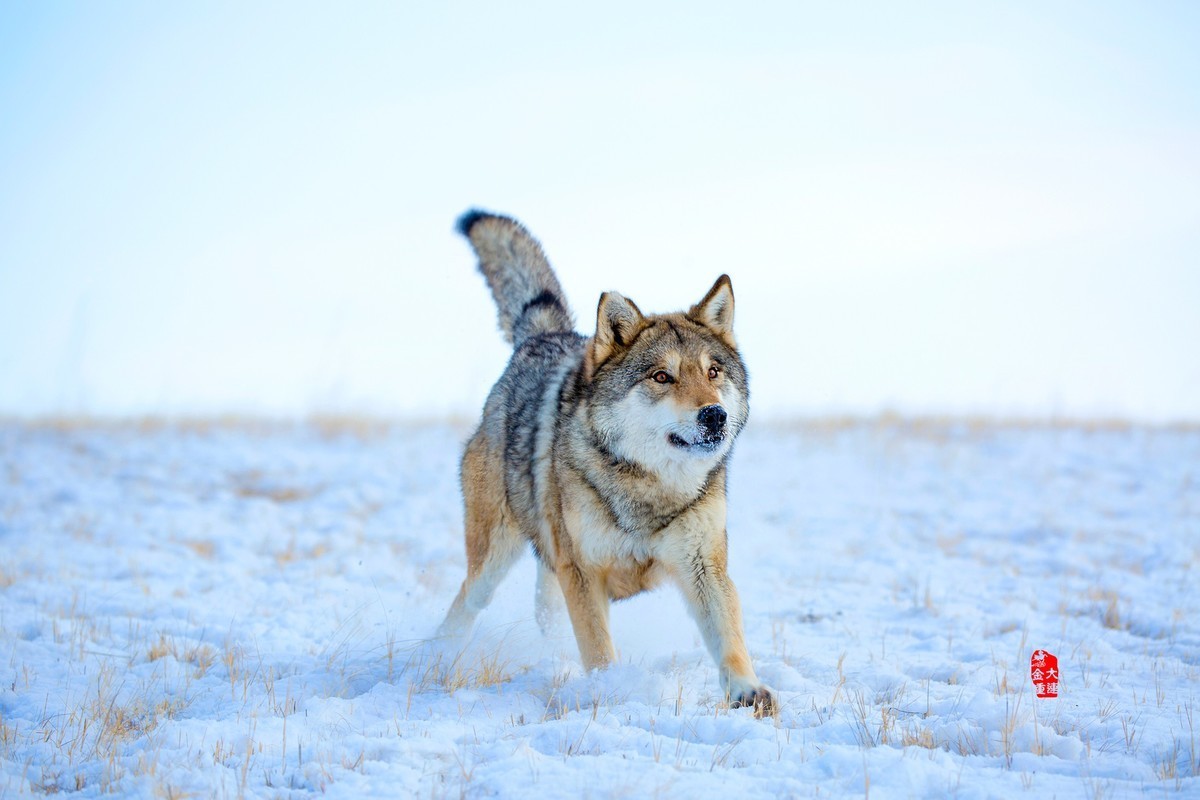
<point x="1043" y="671"/>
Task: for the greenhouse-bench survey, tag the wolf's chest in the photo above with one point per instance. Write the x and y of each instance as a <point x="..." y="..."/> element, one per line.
<point x="626" y="563"/>
<point x="599" y="539"/>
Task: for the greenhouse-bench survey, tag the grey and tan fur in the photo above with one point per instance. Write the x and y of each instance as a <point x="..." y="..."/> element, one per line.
<point x="608" y="454"/>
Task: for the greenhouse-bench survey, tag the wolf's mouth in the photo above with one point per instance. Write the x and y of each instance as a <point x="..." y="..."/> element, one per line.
<point x="706" y="444"/>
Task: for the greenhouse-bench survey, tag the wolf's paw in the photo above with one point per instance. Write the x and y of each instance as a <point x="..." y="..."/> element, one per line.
<point x="755" y="696"/>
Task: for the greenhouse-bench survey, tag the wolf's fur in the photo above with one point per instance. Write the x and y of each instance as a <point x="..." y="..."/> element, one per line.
<point x="607" y="454"/>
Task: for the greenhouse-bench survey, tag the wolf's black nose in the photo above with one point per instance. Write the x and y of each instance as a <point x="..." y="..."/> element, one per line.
<point x="712" y="418"/>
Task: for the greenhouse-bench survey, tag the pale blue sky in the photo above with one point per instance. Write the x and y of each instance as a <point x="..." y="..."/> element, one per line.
<point x="935" y="207"/>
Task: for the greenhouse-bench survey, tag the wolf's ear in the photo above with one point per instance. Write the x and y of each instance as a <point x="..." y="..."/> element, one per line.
<point x="715" y="311"/>
<point x="618" y="322"/>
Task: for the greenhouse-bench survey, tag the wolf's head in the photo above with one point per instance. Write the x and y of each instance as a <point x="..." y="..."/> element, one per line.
<point x="669" y="391"/>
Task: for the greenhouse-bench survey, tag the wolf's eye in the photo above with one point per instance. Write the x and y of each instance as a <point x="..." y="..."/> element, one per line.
<point x="661" y="377"/>
<point x="713" y="372"/>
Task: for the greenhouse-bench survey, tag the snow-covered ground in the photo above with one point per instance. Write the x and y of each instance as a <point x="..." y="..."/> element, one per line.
<point x="243" y="610"/>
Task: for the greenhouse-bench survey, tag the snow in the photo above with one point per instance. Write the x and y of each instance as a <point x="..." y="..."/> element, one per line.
<point x="242" y="608"/>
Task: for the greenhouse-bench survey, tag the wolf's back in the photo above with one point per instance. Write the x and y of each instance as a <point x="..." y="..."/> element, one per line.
<point x="528" y="296"/>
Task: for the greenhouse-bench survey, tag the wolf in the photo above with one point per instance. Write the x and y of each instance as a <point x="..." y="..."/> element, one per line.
<point x="608" y="454"/>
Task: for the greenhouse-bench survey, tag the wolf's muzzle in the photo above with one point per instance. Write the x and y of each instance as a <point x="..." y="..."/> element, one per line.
<point x="712" y="420"/>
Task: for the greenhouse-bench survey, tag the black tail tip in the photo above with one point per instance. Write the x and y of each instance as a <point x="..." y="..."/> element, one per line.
<point x="468" y="220"/>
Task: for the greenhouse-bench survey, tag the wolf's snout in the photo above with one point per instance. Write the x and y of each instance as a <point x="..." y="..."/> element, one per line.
<point x="712" y="419"/>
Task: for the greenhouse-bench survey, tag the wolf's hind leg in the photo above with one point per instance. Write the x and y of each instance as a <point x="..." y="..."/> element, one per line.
<point x="548" y="601"/>
<point x="481" y="582"/>
<point x="493" y="543"/>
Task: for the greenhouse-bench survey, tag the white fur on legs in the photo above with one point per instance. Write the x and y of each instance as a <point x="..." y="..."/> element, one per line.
<point x="477" y="590"/>
<point x="549" y="605"/>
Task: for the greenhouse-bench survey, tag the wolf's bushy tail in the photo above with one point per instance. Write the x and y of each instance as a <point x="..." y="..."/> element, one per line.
<point x="527" y="294"/>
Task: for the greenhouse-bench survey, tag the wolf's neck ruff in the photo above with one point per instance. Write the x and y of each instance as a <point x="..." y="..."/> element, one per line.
<point x="635" y="497"/>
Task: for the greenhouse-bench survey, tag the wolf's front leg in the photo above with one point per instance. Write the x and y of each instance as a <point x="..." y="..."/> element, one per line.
<point x="587" y="604"/>
<point x="713" y="602"/>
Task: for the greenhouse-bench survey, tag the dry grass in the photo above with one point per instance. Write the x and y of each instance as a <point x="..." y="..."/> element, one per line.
<point x="330" y="426"/>
<point x="97" y="730"/>
<point x="254" y="484"/>
<point x="454" y="671"/>
<point x="939" y="427"/>
<point x="1109" y="609"/>
<point x="367" y="427"/>
<point x="203" y="548"/>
